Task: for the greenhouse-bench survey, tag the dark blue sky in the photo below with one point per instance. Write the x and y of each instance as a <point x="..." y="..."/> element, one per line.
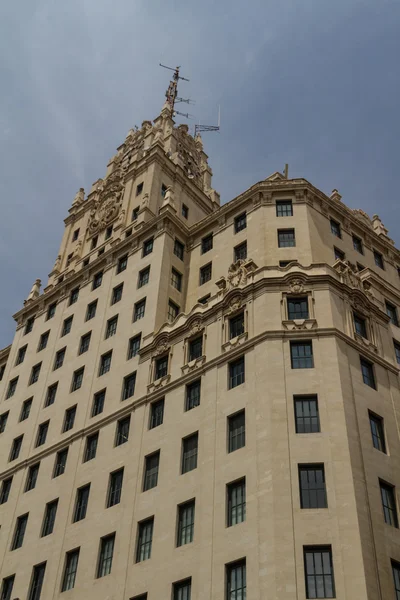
<point x="313" y="83"/>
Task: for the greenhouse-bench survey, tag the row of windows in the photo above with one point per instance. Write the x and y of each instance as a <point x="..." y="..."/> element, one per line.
<point x="357" y="244"/>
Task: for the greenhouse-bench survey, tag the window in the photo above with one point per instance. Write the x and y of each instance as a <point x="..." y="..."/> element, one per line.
<point x="67" y="325"/>
<point x="128" y="232"/>
<point x="286" y="238"/>
<point x="339" y="255"/>
<point x="29" y="325"/>
<point x="37" y="581"/>
<point x="391" y="311"/>
<point x="236" y="502"/>
<point x="100" y="252"/>
<point x="115" y="488"/>
<point x="75" y="235"/>
<point x="21" y="355"/>
<point x="122" y="433"/>
<point x="42" y="434"/>
<point x="98" y="403"/>
<point x="51" y="311"/>
<point x="26" y="409"/>
<point x="284" y="208"/>
<point x="117" y="293"/>
<point x="122" y="263"/>
<point x="108" y="233"/>
<point x="60" y="462"/>
<point x="367" y="371"/>
<point x="5" y="490"/>
<point x="140" y="597"/>
<point x="12" y="386"/>
<point x="7" y="587"/>
<point x="134" y="346"/>
<point x="192" y="395"/>
<point x="189" y="453"/>
<point x="2" y="369"/>
<point x="240" y="222"/>
<point x="145" y="539"/>
<point x="19" y="532"/>
<point x="32" y="477"/>
<point x="49" y="518"/>
<point x="378" y="258"/>
<point x="176" y="280"/>
<point x="135" y="213"/>
<point x="161" y="367"/>
<point x="335" y="228"/>
<point x="91" y="310"/>
<point x="152" y="462"/>
<point x="297" y="308"/>
<point x="105" y="363"/>
<point x="360" y="267"/>
<point x="204" y="299"/>
<point x="51" y="394"/>
<point x="236" y="581"/>
<point x="35" y="373"/>
<point x="144" y="276"/>
<point x="85" y="262"/>
<point x="396" y="578"/>
<point x="69" y="419"/>
<point x="236" y="372"/>
<point x="360" y="326"/>
<point x="182" y="590"/>
<point x="148" y="247"/>
<point x="178" y="249"/>
<point x="71" y="567"/>
<point x="59" y="360"/>
<point x="240" y="252"/>
<point x="44" y="338"/>
<point x="77" y="379"/>
<point x="3" y="421"/>
<point x="95" y="239"/>
<point x="318" y="568"/>
<point x="139" y="309"/>
<point x="306" y="414"/>
<point x="301" y="354"/>
<point x="163" y="190"/>
<point x="357" y="244"/>
<point x="129" y="386"/>
<point x="236" y="325"/>
<point x="207" y="243"/>
<point x="97" y="280"/>
<point x="106" y="555"/>
<point x="139" y="189"/>
<point x="389" y="503"/>
<point x="16" y="448"/>
<point x="205" y="273"/>
<point x="74" y="295"/>
<point x="236" y="431"/>
<point x="156" y="413"/>
<point x="195" y="348"/>
<point x="173" y="311"/>
<point x="85" y="343"/>
<point x="397" y="351"/>
<point x="81" y="503"/>
<point x="312" y="486"/>
<point x="91" y="447"/>
<point x="377" y="432"/>
<point x="185" y="211"/>
<point x="285" y="263"/>
<point x="185" y="523"/>
<point x="111" y="328"/>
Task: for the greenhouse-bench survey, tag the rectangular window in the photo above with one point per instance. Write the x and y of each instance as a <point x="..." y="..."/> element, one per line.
<point x="179" y="249"/>
<point x="236" y="502"/>
<point x="75" y="235"/>
<point x="240" y="222"/>
<point x="77" y="379"/>
<point x="357" y="244"/>
<point x="360" y="325"/>
<point x="182" y="590"/>
<point x="207" y="243"/>
<point x="236" y="325"/>
<point x="301" y="354"/>
<point x="3" y="421"/>
<point x="396" y="578"/>
<point x="139" y="188"/>
<point x="32" y="476"/>
<point x="44" y="338"/>
<point x="378" y="258"/>
<point x="67" y="325"/>
<point x="297" y="308"/>
<point x="336" y="229"/>
<point x="94" y="242"/>
<point x="193" y="395"/>
<point x="106" y="555"/>
<point x="339" y="255"/>
<point x="360" y="267"/>
<point x="128" y="232"/>
<point x="7" y="587"/>
<point x="42" y="434"/>
<point x="240" y="252"/>
<point x="391" y="311"/>
<point x="74" y="295"/>
<point x="16" y="448"/>
<point x="185" y="211"/>
<point x="148" y="247"/>
<point x="69" y="418"/>
<point x="19" y="532"/>
<point x="367" y="370"/>
<point x="284" y="208"/>
<point x="37" y="581"/>
<point x="173" y="311"/>
<point x="91" y="310"/>
<point x="236" y="431"/>
<point x="176" y="279"/>
<point x="51" y="311"/>
<point x="98" y="403"/>
<point x="51" y="394"/>
<point x="190" y="446"/>
<point x="108" y="233"/>
<point x="144" y="276"/>
<point x="25" y="410"/>
<point x="312" y="486"/>
<point x="389" y="503"/>
<point x="21" y="355"/>
<point x="12" y="386"/>
<point x="161" y="367"/>
<point x="185" y="530"/>
<point x="129" y="386"/>
<point x="286" y="238"/>
<point x="35" y="373"/>
<point x="85" y="343"/>
<point x="236" y="581"/>
<point x="397" y="351"/>
<point x="59" y="359"/>
<point x="139" y="310"/>
<point x="205" y="273"/>
<point x="115" y="488"/>
<point x="204" y="299"/>
<point x="163" y="190"/>
<point x="377" y="432"/>
<point x="60" y="463"/>
<point x="152" y="463"/>
<point x="49" y="518"/>
<point x="97" y="280"/>
<point x="71" y="567"/>
<point x="117" y="293"/>
<point x="122" y="432"/>
<point x="145" y="540"/>
<point x="306" y="414"/>
<point x="91" y="447"/>
<point x="318" y="569"/>
<point x="195" y="348"/>
<point x="134" y="346"/>
<point x="236" y="372"/>
<point x="156" y="413"/>
<point x="81" y="503"/>
<point x="105" y="363"/>
<point x="29" y="325"/>
<point x="111" y="328"/>
<point x="5" y="490"/>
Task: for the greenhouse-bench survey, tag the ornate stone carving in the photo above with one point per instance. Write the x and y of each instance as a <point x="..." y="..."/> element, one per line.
<point x="35" y="291"/>
<point x="107" y="204"/>
<point x="162" y="347"/>
<point x="57" y="264"/>
<point x="78" y="249"/>
<point x="234" y="304"/>
<point x="79" y="197"/>
<point x="196" y="327"/>
<point x="237" y="274"/>
<point x="296" y="286"/>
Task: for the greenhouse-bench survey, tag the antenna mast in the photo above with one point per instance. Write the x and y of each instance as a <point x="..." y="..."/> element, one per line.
<point x="172" y="92"/>
<point x="199" y="128"/>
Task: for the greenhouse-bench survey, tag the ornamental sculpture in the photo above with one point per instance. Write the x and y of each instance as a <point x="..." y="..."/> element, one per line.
<point x="107" y="204"/>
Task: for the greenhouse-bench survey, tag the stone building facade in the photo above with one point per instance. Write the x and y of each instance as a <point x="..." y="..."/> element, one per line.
<point x="203" y="402"/>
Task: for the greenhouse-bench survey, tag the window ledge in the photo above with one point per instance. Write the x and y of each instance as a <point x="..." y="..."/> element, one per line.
<point x="296" y="324"/>
<point x="193" y="364"/>
<point x="236" y="341"/>
<point x="366" y="343"/>
<point x="155" y="385"/>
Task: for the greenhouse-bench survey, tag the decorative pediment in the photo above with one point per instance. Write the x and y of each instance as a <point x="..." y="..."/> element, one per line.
<point x="162" y="347"/>
<point x="107" y="205"/>
<point x="239" y="274"/>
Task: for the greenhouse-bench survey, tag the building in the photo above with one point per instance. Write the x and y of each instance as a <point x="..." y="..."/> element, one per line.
<point x="204" y="399"/>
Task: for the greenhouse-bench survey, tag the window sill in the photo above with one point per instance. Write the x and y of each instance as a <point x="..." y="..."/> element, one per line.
<point x="297" y="324"/>
<point x="193" y="364"/>
<point x="155" y="385"/>
<point x="234" y="342"/>
<point x="364" y="342"/>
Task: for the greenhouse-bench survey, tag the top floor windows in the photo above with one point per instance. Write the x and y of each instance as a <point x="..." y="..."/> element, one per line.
<point x="378" y="258"/>
<point x="29" y="325"/>
<point x="240" y="222"/>
<point x="207" y="243"/>
<point x="284" y="208"/>
<point x="357" y="244"/>
<point x="148" y="247"/>
<point x="336" y="229"/>
<point x="179" y="249"/>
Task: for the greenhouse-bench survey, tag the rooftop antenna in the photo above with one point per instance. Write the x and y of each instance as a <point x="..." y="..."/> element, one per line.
<point x="199" y="128"/>
<point x="172" y="91"/>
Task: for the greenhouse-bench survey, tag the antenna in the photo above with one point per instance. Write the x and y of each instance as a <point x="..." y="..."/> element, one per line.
<point x="172" y="91"/>
<point x="198" y="128"/>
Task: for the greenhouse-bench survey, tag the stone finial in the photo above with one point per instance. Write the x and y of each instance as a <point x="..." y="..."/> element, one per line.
<point x="378" y="226"/>
<point x="79" y="197"/>
<point x="335" y="195"/>
<point x="35" y="291"/>
<point x="57" y="264"/>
